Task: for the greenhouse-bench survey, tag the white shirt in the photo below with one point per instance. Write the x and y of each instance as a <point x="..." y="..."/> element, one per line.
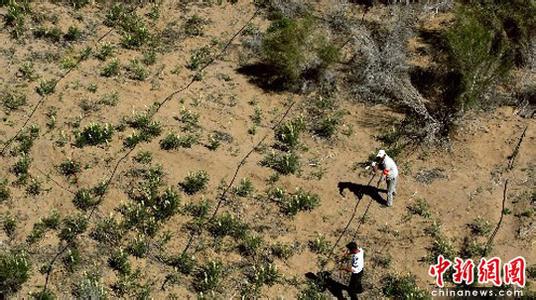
<point x="358" y="261"/>
<point x="391" y="170"/>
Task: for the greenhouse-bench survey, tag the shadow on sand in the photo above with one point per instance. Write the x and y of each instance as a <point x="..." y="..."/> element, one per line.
<point x="360" y="190"/>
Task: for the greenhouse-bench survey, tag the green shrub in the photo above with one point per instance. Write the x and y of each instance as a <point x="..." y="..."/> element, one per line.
<point x="183" y="262"/>
<point x="90" y="287"/>
<point x="194" y="26"/>
<point x="281" y="250"/>
<point x="44" y="295"/>
<point x="195" y="182"/>
<point x="16" y="15"/>
<point x="14" y="271"/>
<point x="420" y="207"/>
<point x="73" y="34"/>
<point x="26" y="138"/>
<point x="198" y="210"/>
<point x="72" y="226"/>
<point x="107" y="231"/>
<point x="111" y="69"/>
<point x="244" y="188"/>
<point x="299" y="201"/>
<point x="136" y="70"/>
<point x="313" y="291"/>
<point x="34" y="187"/>
<point x="294" y="47"/>
<point x="320" y="245"/>
<point x="138" y="247"/>
<point x="477" y="54"/>
<point x="105" y="51"/>
<point x="441" y="246"/>
<point x="20" y="169"/>
<point x="173" y="141"/>
<point x="143" y="157"/>
<point x="119" y="262"/>
<point x="199" y="58"/>
<point x="227" y="225"/>
<point x="213" y="142"/>
<point x="71" y="259"/>
<point x="167" y="204"/>
<point x="84" y="199"/>
<point x="326" y="126"/>
<point x="5" y="194"/>
<point x="46" y="87"/>
<point x="189" y="119"/>
<point x="27" y="71"/>
<point x="250" y="245"/>
<point x="149" y="57"/>
<point x="134" y="31"/>
<point x="94" y="134"/>
<point x="480" y="226"/>
<point x="403" y="287"/>
<point x="288" y="134"/>
<point x="264" y="274"/>
<point x="52" y="34"/>
<point x="9" y="225"/>
<point x="283" y="162"/>
<point x="69" y="167"/>
<point x="209" y="277"/>
<point x="12" y="100"/>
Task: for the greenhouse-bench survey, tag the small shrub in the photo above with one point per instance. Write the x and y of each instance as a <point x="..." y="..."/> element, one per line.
<point x="244" y="188"/>
<point x="107" y="231"/>
<point x="139" y="247"/>
<point x="94" y="134"/>
<point x="84" y="199"/>
<point x="199" y="58"/>
<point x="20" y="169"/>
<point x="189" y="119"/>
<point x="73" y="34"/>
<point x="472" y="249"/>
<point x="90" y="287"/>
<point x="228" y="225"/>
<point x="46" y="87"/>
<point x="69" y="167"/>
<point x="184" y="263"/>
<point x="531" y="272"/>
<point x="12" y="100"/>
<point x="149" y="57"/>
<point x="72" y="227"/>
<point x="320" y="245"/>
<point x="284" y="163"/>
<point x="27" y="71"/>
<point x="52" y="34"/>
<point x="441" y="246"/>
<point x="313" y="291"/>
<point x="195" y="182"/>
<point x="198" y="210"/>
<point x="481" y="227"/>
<point x="34" y="187"/>
<point x="194" y="26"/>
<point x="5" y="194"/>
<point x="173" y="141"/>
<point x="403" y="287"/>
<point x="71" y="259"/>
<point x="213" y="142"/>
<point x="420" y="207"/>
<point x="137" y="71"/>
<point x="167" y="204"/>
<point x="326" y="126"/>
<point x="119" y="262"/>
<point x="209" y="277"/>
<point x="144" y="157"/>
<point x="299" y="201"/>
<point x="9" y="225"/>
<point x="250" y="245"/>
<point x="111" y="69"/>
<point x="14" y="271"/>
<point x="265" y="274"/>
<point x="26" y="138"/>
<point x="282" y="251"/>
<point x="105" y="51"/>
<point x="288" y="134"/>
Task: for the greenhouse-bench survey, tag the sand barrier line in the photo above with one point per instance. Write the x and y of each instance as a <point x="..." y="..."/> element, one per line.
<point x="158" y="107"/>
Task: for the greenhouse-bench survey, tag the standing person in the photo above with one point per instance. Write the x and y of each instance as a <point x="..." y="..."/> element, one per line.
<point x="389" y="172"/>
<point x="357" y="263"/>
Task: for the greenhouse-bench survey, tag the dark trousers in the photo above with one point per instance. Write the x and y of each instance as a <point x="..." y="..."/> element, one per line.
<point x="355" y="287"/>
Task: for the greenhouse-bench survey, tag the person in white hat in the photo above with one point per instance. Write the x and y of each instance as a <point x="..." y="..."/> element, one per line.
<point x="389" y="172"/>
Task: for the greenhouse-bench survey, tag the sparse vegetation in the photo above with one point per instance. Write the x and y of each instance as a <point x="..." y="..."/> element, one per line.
<point x="14" y="271"/>
<point x="283" y="162"/>
<point x="195" y="182"/>
<point x="94" y="134"/>
<point x="403" y="287"/>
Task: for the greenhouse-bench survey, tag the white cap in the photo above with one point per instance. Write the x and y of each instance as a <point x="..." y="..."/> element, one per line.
<point x="381" y="153"/>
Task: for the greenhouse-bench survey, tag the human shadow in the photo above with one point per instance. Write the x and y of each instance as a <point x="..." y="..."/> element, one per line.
<point x="325" y="282"/>
<point x="360" y="190"/>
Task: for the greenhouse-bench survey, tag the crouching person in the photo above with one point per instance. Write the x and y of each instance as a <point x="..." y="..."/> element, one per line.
<point x="357" y="263"/>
